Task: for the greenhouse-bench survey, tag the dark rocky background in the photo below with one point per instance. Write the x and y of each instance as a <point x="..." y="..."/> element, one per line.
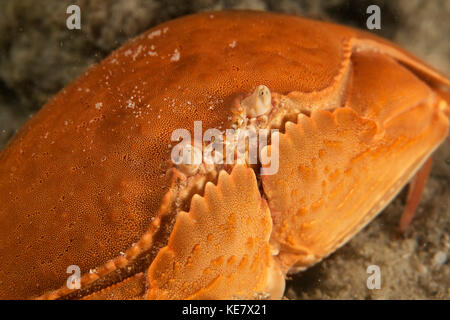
<point x="39" y="56"/>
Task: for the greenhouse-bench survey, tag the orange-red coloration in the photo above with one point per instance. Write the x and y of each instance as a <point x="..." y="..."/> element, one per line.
<point x="130" y="288"/>
<point x="85" y="182"/>
<point x="206" y="246"/>
<point x="416" y="188"/>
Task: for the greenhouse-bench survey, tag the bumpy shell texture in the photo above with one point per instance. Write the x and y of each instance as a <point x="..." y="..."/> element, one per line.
<point x="85" y="181"/>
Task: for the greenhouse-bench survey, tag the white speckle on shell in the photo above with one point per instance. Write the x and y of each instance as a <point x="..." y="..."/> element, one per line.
<point x="130" y="104"/>
<point x="153" y="34"/>
<point x="175" y="56"/>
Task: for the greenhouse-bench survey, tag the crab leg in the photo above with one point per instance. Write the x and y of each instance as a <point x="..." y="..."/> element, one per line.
<point x="415" y="192"/>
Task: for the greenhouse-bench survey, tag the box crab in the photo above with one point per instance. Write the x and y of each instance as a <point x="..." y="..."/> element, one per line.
<point x="88" y="180"/>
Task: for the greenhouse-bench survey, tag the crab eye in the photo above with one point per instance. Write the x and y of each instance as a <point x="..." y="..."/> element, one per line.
<point x="258" y="103"/>
<point x="189" y="159"/>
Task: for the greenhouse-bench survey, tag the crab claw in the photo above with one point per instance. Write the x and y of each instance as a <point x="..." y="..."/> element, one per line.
<point x="220" y="248"/>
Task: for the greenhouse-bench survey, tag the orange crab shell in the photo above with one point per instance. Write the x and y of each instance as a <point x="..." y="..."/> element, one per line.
<point x="84" y="182"/>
